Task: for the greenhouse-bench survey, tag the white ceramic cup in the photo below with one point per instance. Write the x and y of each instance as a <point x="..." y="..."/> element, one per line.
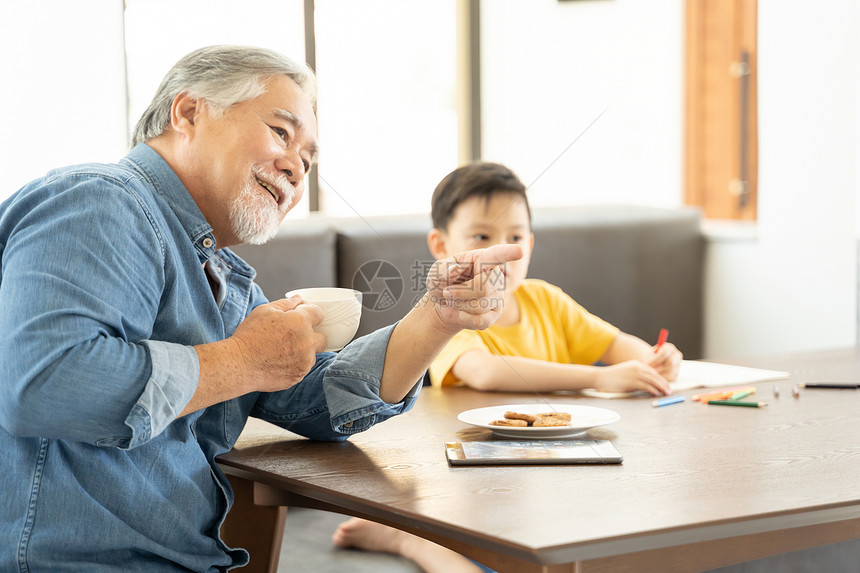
<point x="342" y="310"/>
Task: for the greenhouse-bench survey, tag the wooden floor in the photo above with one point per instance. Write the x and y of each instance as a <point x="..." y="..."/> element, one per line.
<point x="307" y="547"/>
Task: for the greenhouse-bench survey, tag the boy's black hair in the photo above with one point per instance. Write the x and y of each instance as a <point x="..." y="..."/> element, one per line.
<point x="479" y="179"/>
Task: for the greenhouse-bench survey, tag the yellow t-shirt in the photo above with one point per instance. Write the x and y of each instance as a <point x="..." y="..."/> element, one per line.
<point x="552" y="327"/>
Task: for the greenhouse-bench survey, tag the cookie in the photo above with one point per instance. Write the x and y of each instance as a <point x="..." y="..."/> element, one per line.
<point x="508" y="422"/>
<point x="529" y="418"/>
<point x="557" y="415"/>
<point x="548" y="421"/>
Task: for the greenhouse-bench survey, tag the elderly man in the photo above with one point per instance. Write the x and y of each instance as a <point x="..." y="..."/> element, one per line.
<point x="134" y="344"/>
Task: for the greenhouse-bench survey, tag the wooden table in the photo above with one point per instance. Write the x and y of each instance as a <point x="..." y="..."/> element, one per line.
<point x="700" y="487"/>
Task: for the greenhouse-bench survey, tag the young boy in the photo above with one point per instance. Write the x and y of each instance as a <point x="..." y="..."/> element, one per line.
<point x="543" y="341"/>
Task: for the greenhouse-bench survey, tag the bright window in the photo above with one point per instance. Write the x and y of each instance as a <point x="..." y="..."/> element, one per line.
<point x="387" y="85"/>
<point x="387" y="103"/>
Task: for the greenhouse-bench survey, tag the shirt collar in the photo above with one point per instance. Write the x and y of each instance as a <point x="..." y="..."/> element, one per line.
<point x="152" y="167"/>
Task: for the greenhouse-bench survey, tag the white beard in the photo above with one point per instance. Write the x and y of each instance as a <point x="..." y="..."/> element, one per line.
<point x="253" y="214"/>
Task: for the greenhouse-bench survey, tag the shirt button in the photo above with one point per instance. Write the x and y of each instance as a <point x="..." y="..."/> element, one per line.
<point x="207" y="242"/>
<point x="348" y="425"/>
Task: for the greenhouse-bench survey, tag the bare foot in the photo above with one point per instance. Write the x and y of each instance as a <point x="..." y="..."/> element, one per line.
<point x="372" y="536"/>
<point x="368" y="535"/>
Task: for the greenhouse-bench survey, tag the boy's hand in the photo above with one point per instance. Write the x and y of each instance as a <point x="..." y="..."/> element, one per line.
<point x="631" y="376"/>
<point x="667" y="361"/>
<point x="467" y="290"/>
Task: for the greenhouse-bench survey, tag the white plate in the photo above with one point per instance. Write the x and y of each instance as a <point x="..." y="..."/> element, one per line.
<point x="582" y="418"/>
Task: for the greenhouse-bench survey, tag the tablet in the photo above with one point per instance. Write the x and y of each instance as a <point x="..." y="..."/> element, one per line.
<point x="503" y="452"/>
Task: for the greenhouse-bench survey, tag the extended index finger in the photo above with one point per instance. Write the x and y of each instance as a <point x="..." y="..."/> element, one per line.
<point x="495" y="255"/>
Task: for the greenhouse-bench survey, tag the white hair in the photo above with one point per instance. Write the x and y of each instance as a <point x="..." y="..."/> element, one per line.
<point x="222" y="76"/>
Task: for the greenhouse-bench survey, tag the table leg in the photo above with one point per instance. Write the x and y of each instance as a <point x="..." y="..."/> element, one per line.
<point x="257" y="528"/>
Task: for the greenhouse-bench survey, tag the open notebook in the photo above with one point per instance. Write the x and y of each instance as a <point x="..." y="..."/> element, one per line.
<point x="697" y="374"/>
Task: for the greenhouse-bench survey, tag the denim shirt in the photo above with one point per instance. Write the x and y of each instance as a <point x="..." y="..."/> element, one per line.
<point x="103" y="293"/>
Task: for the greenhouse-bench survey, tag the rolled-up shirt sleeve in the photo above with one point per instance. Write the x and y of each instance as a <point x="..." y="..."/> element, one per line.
<point x="349" y="401"/>
<point x="352" y="385"/>
<point x="175" y="372"/>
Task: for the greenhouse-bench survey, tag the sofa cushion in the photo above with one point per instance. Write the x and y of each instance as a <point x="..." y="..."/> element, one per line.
<point x="640" y="268"/>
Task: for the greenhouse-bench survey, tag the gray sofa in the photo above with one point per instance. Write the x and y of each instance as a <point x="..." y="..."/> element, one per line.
<point x="640" y="268"/>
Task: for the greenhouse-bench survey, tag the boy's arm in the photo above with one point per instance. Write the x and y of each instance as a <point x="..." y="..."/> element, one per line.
<point x="482" y="370"/>
<point x="626" y="347"/>
<point x="666" y="360"/>
<point x="629" y="361"/>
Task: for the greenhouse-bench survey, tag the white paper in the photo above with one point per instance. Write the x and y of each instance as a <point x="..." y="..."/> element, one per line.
<point x="698" y="374"/>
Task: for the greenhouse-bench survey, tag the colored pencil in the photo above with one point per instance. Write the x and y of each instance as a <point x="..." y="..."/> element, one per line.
<point x="737" y="403"/>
